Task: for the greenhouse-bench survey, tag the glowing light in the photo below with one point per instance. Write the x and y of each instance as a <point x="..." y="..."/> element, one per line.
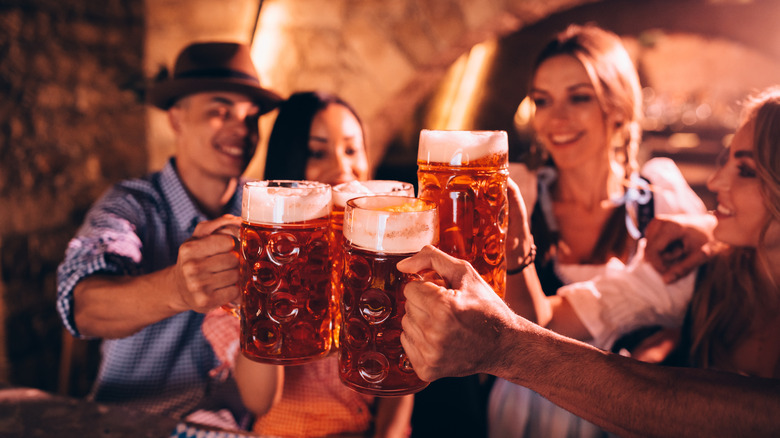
<point x="460" y="91"/>
<point x="682" y="140"/>
<point x="269" y="40"/>
<point x="523" y="114"/>
<point x="267" y="48"/>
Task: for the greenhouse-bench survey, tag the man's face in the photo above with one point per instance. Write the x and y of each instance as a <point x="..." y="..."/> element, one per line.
<point x="217" y="133"/>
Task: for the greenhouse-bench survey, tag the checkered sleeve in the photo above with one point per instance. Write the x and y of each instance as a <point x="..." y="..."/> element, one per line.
<point x="106" y="243"/>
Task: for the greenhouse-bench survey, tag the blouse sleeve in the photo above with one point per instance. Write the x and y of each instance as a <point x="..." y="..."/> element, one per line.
<point x="625" y="298"/>
<point x="671" y="192"/>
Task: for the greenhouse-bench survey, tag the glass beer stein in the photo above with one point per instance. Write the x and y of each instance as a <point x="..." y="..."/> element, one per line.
<point x="341" y="194"/>
<point x="380" y="231"/>
<point x="465" y="174"/>
<point x="285" y="271"/>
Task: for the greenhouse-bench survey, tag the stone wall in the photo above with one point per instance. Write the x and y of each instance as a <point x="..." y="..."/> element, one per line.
<point x="72" y="123"/>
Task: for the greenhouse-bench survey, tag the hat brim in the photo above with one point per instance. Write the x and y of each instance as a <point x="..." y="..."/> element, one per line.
<point x="164" y="94"/>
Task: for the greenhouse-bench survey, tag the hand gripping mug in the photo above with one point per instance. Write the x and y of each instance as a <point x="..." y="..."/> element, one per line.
<point x="341" y="194"/>
<point x="465" y="174"/>
<point x="285" y="271"/>
<point x="380" y="231"/>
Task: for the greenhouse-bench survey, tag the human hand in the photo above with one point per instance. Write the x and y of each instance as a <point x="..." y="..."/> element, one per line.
<point x="519" y="241"/>
<point x="207" y="267"/>
<point x="678" y="244"/>
<point x="450" y="332"/>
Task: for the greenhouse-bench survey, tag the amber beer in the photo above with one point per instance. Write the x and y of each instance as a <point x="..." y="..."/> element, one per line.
<point x="285" y="271"/>
<point x="465" y="174"/>
<point x="341" y="194"/>
<point x="380" y="231"/>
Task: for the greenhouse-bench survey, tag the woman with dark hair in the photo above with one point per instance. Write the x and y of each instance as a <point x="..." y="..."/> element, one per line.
<point x="301" y="148"/>
<point x="317" y="137"/>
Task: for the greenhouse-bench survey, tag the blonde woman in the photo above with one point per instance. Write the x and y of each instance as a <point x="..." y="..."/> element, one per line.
<point x="593" y="205"/>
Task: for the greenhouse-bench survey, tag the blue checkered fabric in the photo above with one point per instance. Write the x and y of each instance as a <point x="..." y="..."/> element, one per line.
<point x="136" y="228"/>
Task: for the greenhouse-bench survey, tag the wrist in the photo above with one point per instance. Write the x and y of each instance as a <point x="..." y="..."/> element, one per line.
<point x="523" y="262"/>
<point x="175" y="285"/>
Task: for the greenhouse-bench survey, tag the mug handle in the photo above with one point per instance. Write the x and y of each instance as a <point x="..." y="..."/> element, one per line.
<point x="232" y="308"/>
<point x="234" y="232"/>
<point x="429" y="275"/>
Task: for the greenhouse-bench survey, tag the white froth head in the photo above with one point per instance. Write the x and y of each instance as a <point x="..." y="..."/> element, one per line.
<point x="353" y="189"/>
<point x="391" y="224"/>
<point x="284" y="202"/>
<point x="457" y="148"/>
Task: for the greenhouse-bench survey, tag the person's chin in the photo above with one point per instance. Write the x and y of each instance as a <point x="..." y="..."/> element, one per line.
<point x="724" y="233"/>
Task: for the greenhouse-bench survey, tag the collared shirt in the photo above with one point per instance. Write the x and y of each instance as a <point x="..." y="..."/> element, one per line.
<point x="136" y="228"/>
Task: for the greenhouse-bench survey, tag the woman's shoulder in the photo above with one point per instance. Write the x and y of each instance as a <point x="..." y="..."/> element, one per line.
<point x="671" y="192"/>
<point x="662" y="171"/>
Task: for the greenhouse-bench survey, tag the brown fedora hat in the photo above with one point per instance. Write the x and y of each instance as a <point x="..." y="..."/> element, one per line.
<point x="212" y="66"/>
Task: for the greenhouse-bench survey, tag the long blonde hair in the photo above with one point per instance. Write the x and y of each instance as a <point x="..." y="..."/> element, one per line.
<point x="614" y="78"/>
<point x="737" y="291"/>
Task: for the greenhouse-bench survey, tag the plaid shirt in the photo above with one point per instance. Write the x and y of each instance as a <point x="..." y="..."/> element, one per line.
<point x="136" y="228"/>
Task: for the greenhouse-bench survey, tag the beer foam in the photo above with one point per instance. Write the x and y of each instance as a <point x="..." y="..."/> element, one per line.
<point x="391" y="224"/>
<point x="460" y="147"/>
<point x="353" y="189"/>
<point x="262" y="204"/>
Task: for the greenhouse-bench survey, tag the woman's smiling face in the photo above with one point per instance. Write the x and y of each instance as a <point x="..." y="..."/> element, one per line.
<point x="569" y="120"/>
<point x="336" y="145"/>
<point x="741" y="212"/>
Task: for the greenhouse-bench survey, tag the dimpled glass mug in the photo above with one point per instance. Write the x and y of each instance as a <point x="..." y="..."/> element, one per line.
<point x="380" y="231"/>
<point x="465" y="173"/>
<point x="341" y="194"/>
<point x="285" y="271"/>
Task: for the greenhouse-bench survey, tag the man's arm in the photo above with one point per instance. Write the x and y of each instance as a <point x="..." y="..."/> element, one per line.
<point x="203" y="278"/>
<point x="632" y="398"/>
<point x="468" y="329"/>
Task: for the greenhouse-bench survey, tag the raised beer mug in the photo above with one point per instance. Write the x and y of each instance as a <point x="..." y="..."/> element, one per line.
<point x="465" y="174"/>
<point x="285" y="271"/>
<point x="341" y="194"/>
<point x="380" y="231"/>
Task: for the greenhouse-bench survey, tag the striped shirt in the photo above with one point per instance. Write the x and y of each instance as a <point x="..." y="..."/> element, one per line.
<point x="136" y="228"/>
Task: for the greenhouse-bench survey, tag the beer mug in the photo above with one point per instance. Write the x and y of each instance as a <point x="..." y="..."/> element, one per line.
<point x="465" y="174"/>
<point x="285" y="271"/>
<point x="380" y="231"/>
<point x="341" y="194"/>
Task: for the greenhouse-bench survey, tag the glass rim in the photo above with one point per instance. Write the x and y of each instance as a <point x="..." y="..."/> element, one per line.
<point x="398" y="183"/>
<point x="285" y="201"/>
<point x="460" y="147"/>
<point x="391" y="201"/>
<point x="371" y="226"/>
<point x="286" y="183"/>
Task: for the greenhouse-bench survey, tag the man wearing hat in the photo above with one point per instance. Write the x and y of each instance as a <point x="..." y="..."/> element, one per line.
<point x="153" y="255"/>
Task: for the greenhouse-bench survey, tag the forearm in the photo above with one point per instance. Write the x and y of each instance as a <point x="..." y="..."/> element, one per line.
<point x="260" y="385"/>
<point x="524" y="295"/>
<point x="393" y="416"/>
<point x="632" y="398"/>
<point x="118" y="306"/>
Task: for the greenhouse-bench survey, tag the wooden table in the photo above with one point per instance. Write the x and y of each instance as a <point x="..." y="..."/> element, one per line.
<point x="29" y="413"/>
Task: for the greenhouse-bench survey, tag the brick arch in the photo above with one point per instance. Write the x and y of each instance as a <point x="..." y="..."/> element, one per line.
<point x="383" y="57"/>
